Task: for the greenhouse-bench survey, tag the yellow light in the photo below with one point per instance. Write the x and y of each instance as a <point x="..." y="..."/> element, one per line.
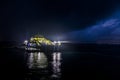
<point x="39" y="40"/>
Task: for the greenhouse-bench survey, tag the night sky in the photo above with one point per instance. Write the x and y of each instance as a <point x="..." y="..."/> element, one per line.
<point x="77" y="19"/>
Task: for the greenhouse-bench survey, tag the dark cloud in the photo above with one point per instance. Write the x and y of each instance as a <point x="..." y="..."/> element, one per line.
<point x="19" y="17"/>
<point x="106" y="31"/>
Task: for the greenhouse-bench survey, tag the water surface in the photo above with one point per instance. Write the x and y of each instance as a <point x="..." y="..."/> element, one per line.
<point x="65" y="65"/>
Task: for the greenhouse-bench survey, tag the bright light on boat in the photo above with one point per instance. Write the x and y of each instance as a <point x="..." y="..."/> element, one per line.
<point x="55" y="42"/>
<point x="25" y="42"/>
<point x="59" y="43"/>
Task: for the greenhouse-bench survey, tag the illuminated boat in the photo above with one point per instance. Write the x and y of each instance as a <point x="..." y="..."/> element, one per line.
<point x="40" y="43"/>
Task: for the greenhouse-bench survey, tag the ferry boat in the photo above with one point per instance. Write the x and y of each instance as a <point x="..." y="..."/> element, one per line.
<point x="40" y="43"/>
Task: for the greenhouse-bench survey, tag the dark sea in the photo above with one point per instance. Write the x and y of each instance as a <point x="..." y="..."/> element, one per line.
<point x="85" y="62"/>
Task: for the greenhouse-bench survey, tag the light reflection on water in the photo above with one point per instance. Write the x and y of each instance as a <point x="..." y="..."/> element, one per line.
<point x="39" y="61"/>
<point x="56" y="64"/>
